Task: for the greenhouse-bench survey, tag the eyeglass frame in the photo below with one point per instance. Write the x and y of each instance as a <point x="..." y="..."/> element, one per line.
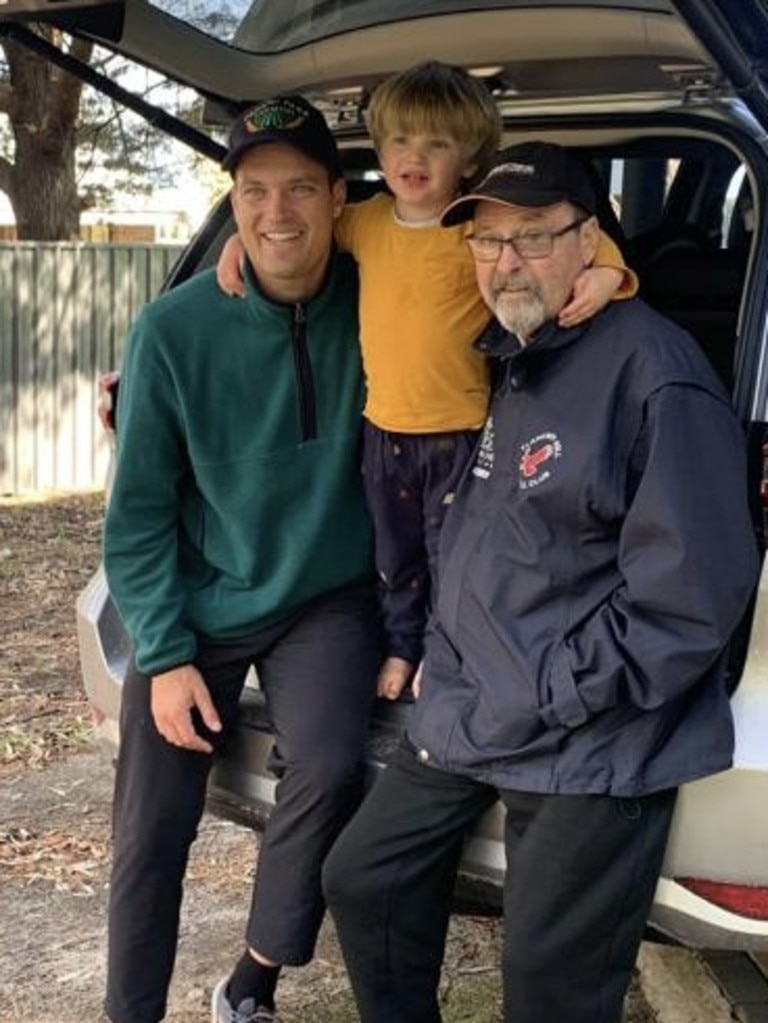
<point x="515" y="240"/>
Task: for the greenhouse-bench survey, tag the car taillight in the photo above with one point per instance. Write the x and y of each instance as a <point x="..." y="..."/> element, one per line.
<point x="746" y="900"/>
<point x="764" y="490"/>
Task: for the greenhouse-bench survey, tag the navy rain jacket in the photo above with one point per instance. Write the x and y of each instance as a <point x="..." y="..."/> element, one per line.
<point x="593" y="565"/>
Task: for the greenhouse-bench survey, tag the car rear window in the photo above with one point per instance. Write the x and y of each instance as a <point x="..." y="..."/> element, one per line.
<point x="270" y="26"/>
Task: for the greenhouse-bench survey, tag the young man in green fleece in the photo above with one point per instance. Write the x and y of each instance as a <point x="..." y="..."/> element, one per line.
<point x="237" y="534"/>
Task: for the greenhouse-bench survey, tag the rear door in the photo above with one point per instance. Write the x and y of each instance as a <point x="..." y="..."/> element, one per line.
<point x="735" y="32"/>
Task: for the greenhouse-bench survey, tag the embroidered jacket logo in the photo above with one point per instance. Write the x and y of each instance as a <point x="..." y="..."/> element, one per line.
<point x="536" y="458"/>
<point x="483" y="466"/>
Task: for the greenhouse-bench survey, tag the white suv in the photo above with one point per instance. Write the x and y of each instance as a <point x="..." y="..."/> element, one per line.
<point x="667" y="100"/>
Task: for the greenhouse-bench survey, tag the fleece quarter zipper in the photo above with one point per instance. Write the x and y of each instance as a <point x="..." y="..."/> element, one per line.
<point x="304" y="378"/>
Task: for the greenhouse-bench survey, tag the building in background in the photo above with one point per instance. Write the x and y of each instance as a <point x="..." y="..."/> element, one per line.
<point x="169" y="216"/>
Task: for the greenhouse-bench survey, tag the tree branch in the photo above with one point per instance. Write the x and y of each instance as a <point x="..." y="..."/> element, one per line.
<point x="66" y="103"/>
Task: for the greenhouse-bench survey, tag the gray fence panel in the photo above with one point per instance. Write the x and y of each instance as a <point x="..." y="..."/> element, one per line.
<point x="65" y="310"/>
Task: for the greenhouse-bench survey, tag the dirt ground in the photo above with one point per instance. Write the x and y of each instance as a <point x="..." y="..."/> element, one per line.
<point x="55" y="788"/>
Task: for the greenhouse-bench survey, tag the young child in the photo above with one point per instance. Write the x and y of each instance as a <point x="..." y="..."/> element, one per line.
<point x="435" y="128"/>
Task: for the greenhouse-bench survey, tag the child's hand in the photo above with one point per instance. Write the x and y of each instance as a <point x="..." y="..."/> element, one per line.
<point x="229" y="269"/>
<point x="594" y="288"/>
<point x="394" y="676"/>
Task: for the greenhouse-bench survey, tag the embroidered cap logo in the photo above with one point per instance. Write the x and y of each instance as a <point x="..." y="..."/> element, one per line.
<point x="282" y="116"/>
<point x="514" y="169"/>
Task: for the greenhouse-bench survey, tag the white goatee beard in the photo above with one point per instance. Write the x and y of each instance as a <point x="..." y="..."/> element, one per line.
<point x="520" y="317"/>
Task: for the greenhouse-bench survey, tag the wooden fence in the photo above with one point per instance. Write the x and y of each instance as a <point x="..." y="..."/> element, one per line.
<point x="65" y="310"/>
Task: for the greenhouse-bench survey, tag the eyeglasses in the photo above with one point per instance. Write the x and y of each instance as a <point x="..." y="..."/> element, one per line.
<point x="531" y="245"/>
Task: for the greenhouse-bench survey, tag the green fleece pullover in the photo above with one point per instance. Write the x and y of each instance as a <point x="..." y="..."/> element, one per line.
<point x="237" y="496"/>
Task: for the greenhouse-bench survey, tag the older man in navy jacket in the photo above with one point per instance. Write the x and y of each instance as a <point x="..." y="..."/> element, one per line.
<point x="592" y="569"/>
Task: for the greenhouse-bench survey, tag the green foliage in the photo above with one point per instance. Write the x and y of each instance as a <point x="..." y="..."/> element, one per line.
<point x="118" y="151"/>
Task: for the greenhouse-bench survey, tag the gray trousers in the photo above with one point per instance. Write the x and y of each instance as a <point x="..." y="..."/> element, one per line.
<point x="318" y="672"/>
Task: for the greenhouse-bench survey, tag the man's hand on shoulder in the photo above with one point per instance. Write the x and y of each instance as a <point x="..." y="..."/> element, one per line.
<point x="175" y="694"/>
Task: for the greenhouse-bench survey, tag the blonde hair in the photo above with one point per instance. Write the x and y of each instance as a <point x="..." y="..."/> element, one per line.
<point x="436" y="98"/>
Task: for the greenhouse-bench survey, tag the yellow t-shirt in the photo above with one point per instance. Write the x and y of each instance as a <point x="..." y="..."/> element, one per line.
<point x="420" y="311"/>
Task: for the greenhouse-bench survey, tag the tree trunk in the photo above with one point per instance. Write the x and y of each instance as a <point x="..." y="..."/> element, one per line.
<point x="43" y="115"/>
<point x="43" y="190"/>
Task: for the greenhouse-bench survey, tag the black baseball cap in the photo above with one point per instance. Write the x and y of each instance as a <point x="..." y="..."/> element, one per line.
<point x="529" y="174"/>
<point x="288" y="119"/>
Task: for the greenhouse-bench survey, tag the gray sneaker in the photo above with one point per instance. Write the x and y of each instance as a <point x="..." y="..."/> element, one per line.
<point x="246" y="1012"/>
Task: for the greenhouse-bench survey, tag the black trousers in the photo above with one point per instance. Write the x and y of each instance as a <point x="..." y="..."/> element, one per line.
<point x="318" y="672"/>
<point x="409" y="483"/>
<point x="581" y="873"/>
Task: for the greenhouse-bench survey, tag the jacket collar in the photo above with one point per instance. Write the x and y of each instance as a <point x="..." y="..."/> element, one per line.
<point x="255" y="293"/>
<point x="497" y="342"/>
